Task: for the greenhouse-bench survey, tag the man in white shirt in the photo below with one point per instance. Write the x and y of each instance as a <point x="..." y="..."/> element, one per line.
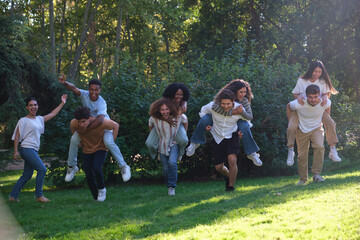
<point x="310" y="130"/>
<point x="226" y="138"/>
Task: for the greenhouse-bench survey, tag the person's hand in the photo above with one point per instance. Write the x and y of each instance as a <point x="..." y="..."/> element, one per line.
<point x="63" y="98"/>
<point x="301" y="100"/>
<point x="238" y="110"/>
<point x="324" y="101"/>
<point x="16" y="155"/>
<point x="62" y="78"/>
<point x="240" y="134"/>
<point x="208" y="128"/>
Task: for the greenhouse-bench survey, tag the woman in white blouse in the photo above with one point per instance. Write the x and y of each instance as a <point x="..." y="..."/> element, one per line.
<point x="27" y="132"/>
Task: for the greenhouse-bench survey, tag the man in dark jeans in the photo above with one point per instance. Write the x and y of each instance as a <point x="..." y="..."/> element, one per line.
<point x="94" y="149"/>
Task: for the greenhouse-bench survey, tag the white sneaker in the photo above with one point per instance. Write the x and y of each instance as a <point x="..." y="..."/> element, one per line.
<point x="171" y="191"/>
<point x="71" y="171"/>
<point x="191" y="149"/>
<point x="101" y="195"/>
<point x="255" y="158"/>
<point x="290" y="157"/>
<point x="301" y="183"/>
<point x="125" y="173"/>
<point x="333" y="155"/>
<point x="318" y="178"/>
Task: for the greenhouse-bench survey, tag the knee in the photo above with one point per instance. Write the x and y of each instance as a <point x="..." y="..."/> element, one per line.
<point x="219" y="167"/>
<point x="42" y="170"/>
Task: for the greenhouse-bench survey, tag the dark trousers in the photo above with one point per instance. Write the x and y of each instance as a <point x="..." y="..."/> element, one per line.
<point x="92" y="166"/>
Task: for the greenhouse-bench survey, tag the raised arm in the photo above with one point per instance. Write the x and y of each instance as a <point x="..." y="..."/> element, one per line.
<point x="56" y="110"/>
<point x="69" y="86"/>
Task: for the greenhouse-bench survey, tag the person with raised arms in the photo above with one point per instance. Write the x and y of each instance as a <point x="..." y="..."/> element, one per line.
<point x="98" y="112"/>
<point x="27" y="134"/>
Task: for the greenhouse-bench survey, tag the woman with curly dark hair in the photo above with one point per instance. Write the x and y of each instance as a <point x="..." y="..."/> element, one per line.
<point x="166" y="120"/>
<point x="179" y="94"/>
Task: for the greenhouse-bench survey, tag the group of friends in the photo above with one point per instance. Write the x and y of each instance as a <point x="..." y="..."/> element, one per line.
<point x="228" y="119"/>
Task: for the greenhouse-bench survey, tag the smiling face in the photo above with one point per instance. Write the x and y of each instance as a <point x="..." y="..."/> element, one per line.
<point x="94" y="92"/>
<point x="179" y="95"/>
<point x="165" y="111"/>
<point x="240" y="94"/>
<point x="316" y="74"/>
<point x="226" y="104"/>
<point x="313" y="99"/>
<point x="32" y="107"/>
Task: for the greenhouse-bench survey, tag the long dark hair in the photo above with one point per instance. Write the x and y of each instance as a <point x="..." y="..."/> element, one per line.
<point x="324" y="75"/>
<point x="234" y="86"/>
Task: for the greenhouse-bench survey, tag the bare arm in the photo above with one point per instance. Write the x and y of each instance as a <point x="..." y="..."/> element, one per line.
<point x="56" y="110"/>
<point x="185" y="126"/>
<point x="115" y="129"/>
<point x="16" y="144"/>
<point x="69" y="86"/>
<point x="288" y="111"/>
<point x="151" y="127"/>
<point x="98" y="121"/>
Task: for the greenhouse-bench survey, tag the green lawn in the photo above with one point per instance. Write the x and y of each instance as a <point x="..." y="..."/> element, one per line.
<point x="262" y="208"/>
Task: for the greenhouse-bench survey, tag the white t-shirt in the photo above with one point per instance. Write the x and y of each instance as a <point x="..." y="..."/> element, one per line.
<point x="223" y="126"/>
<point x="302" y="84"/>
<point x="30" y="132"/>
<point x="97" y="107"/>
<point x="310" y="117"/>
<point x="166" y="132"/>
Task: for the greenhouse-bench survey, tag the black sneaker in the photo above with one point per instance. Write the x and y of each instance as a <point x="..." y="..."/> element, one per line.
<point x="226" y="183"/>
<point x="231" y="189"/>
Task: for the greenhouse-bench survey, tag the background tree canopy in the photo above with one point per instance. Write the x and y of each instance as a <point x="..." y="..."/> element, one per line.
<point x="138" y="47"/>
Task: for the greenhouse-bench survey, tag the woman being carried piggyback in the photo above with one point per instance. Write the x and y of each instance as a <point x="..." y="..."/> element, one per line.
<point x="317" y="75"/>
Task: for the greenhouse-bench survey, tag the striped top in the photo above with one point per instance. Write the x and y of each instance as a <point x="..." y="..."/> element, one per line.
<point x="247" y="114"/>
<point x="166" y="132"/>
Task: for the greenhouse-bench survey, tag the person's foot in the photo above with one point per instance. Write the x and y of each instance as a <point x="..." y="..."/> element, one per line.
<point x="12" y="199"/>
<point x="300" y="183"/>
<point x="71" y="171"/>
<point x="318" y="178"/>
<point x="290" y="157"/>
<point x="42" y="199"/>
<point x="231" y="189"/>
<point x="333" y="155"/>
<point x="226" y="184"/>
<point x="125" y="173"/>
<point x="191" y="149"/>
<point x="101" y="195"/>
<point x="255" y="158"/>
<point x="171" y="191"/>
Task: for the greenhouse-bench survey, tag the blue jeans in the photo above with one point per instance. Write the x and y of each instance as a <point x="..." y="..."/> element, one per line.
<point x="169" y="164"/>
<point x="32" y="161"/>
<point x="92" y="166"/>
<point x="109" y="143"/>
<point x="249" y="143"/>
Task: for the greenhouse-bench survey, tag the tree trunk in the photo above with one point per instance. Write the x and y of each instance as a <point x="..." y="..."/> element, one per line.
<point x="86" y="24"/>
<point x="43" y="24"/>
<point x="61" y="36"/>
<point x="52" y="36"/>
<point x="118" y="35"/>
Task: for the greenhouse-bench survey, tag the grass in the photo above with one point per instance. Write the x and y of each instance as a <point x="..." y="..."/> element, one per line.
<point x="261" y="208"/>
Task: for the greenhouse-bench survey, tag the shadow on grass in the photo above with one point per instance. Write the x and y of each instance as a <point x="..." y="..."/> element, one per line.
<point x="137" y="211"/>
